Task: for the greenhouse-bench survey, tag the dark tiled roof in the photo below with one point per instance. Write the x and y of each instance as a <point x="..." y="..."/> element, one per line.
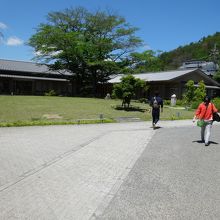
<point x="22" y="66"/>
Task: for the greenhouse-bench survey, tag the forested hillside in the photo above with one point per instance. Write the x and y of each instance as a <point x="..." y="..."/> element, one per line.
<point x="206" y="49"/>
<point x="201" y="50"/>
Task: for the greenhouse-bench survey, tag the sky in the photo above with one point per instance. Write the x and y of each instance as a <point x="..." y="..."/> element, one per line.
<point x="163" y="24"/>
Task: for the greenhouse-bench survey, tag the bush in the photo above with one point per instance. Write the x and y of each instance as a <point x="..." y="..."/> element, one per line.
<point x="50" y="93"/>
<point x="127" y="88"/>
<point x="143" y="100"/>
<point x="180" y="102"/>
<point x="195" y="104"/>
<point x="166" y="102"/>
<point x="216" y="102"/>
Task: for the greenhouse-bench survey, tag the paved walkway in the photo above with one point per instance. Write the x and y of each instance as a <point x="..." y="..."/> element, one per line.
<point x="109" y="171"/>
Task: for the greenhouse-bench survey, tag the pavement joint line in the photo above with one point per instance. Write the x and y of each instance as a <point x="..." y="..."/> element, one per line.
<point x="115" y="188"/>
<point x="104" y="203"/>
<point x="49" y="163"/>
<point x="58" y="158"/>
<point x="110" y="195"/>
<point x="136" y="129"/>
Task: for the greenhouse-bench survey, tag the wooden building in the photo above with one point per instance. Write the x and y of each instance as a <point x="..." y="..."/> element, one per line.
<point x="27" y="78"/>
<point x="172" y="82"/>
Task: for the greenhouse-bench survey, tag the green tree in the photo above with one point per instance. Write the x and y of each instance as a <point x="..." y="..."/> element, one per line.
<point x="189" y="94"/>
<point x="193" y="94"/>
<point x="127" y="88"/>
<point x="217" y="77"/>
<point x="200" y="91"/>
<point x="92" y="46"/>
<point x="200" y="50"/>
<point x="146" y="61"/>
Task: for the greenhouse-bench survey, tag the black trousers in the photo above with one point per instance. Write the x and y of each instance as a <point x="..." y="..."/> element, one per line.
<point x="155" y="115"/>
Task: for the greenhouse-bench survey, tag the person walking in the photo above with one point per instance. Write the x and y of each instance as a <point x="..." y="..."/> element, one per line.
<point x="205" y="112"/>
<point x="157" y="106"/>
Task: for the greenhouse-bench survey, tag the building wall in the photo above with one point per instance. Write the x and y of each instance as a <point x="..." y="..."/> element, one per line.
<point x="33" y="87"/>
<point x="167" y="88"/>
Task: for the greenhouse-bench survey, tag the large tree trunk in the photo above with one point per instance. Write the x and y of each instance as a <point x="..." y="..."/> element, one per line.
<point x="94" y="84"/>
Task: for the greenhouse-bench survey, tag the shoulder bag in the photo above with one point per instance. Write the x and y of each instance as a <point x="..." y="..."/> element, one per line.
<point x="201" y="123"/>
<point x="215" y="115"/>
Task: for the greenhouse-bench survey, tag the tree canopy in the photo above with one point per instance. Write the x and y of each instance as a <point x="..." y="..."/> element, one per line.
<point x="217" y="76"/>
<point x="92" y="46"/>
<point x="200" y="50"/>
<point x="147" y="61"/>
<point x="194" y="94"/>
<point x="127" y="88"/>
<point x="206" y="49"/>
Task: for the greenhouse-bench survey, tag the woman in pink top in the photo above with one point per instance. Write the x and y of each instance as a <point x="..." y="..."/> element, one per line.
<point x="205" y="111"/>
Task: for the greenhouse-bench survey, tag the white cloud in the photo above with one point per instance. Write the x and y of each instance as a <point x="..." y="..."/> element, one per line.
<point x="3" y="26"/>
<point x="14" y="41"/>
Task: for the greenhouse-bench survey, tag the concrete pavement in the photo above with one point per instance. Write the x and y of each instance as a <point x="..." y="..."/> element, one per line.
<point x="176" y="177"/>
<point x="108" y="171"/>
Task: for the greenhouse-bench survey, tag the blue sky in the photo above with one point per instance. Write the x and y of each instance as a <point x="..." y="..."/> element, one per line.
<point x="163" y="24"/>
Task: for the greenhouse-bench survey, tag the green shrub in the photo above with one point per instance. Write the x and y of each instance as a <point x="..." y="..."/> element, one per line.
<point x="180" y="102"/>
<point x="50" y="93"/>
<point x="166" y="102"/>
<point x="216" y="101"/>
<point x="195" y="104"/>
<point x="189" y="94"/>
<point x="143" y="100"/>
<point x="127" y="88"/>
<point x="200" y="91"/>
<point x="192" y="94"/>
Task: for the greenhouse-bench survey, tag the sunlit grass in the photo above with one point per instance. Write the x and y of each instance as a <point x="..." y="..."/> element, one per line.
<point x="44" y="110"/>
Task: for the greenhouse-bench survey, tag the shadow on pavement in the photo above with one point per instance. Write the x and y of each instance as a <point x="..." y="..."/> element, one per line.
<point x="156" y="127"/>
<point x="210" y="142"/>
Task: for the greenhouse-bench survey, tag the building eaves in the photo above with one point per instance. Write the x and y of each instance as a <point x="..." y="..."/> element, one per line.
<point x="33" y="78"/>
<point x="209" y="87"/>
<point x="29" y="67"/>
<point x="208" y="77"/>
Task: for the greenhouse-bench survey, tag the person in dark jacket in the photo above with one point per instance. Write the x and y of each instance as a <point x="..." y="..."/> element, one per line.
<point x="156" y="103"/>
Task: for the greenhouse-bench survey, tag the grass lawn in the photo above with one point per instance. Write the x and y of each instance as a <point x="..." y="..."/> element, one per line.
<point x="39" y="110"/>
